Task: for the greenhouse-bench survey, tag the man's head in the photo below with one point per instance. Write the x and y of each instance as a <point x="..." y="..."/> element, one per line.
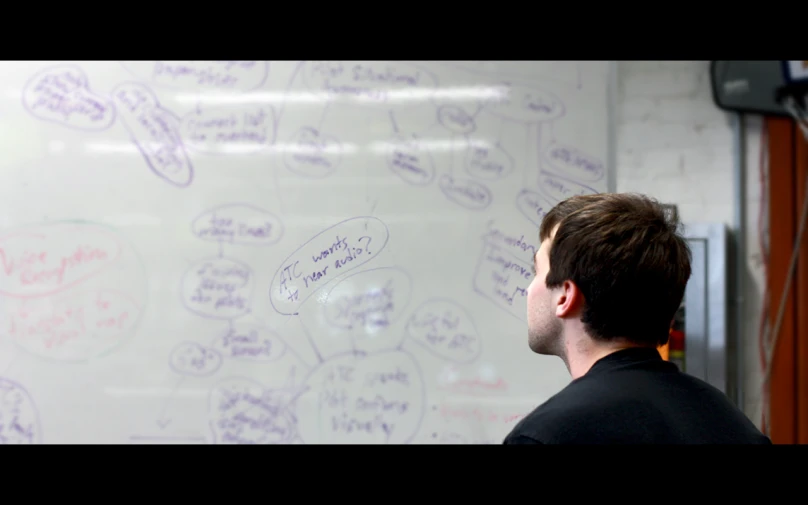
<point x="611" y="269"/>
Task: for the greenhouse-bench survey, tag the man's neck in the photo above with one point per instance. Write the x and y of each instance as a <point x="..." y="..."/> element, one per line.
<point x="581" y="356"/>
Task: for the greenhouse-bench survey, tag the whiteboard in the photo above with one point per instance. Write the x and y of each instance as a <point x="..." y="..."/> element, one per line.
<point x="282" y="252"/>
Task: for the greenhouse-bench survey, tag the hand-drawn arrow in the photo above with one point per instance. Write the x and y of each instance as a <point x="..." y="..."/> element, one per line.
<point x="162" y="420"/>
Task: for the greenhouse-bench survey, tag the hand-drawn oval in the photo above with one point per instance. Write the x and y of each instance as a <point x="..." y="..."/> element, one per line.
<point x="575" y="163"/>
<point x="446" y="330"/>
<point x="526" y="105"/>
<point x="334" y="251"/>
<point x="61" y="95"/>
<point x="465" y="192"/>
<point x="19" y="417"/>
<point x="456" y="120"/>
<point x="349" y="399"/>
<point x="503" y="278"/>
<point x="195" y="360"/>
<point x="237" y="129"/>
<point x="242" y="411"/>
<point x="248" y="342"/>
<point x="239" y="223"/>
<point x="154" y="131"/>
<point x="370" y="300"/>
<point x="511" y="241"/>
<point x="218" y="288"/>
<point x="193" y="76"/>
<point x="533" y="206"/>
<point x="410" y="162"/>
<point x="559" y="188"/>
<point x="490" y="163"/>
<point x="135" y="98"/>
<point x="312" y="153"/>
<point x="49" y="258"/>
<point x="371" y="82"/>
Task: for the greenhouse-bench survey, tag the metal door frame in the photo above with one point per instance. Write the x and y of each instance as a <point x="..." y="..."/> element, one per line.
<point x="706" y="305"/>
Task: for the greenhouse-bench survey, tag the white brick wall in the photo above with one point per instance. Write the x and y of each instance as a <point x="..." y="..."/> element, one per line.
<point x="676" y="145"/>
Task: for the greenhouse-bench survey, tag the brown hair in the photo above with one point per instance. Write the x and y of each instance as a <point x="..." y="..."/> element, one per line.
<point x="625" y="254"/>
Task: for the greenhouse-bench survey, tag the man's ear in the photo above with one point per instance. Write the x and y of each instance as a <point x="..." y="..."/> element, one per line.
<point x="569" y="300"/>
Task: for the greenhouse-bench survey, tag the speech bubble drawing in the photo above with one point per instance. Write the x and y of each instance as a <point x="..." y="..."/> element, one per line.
<point x="446" y="330"/>
<point x="559" y="188"/>
<point x="248" y="342"/>
<point x="456" y="119"/>
<point x="218" y="288"/>
<point x="374" y="399"/>
<point x="370" y="301"/>
<point x="314" y="154"/>
<point x="533" y="206"/>
<point x="410" y="161"/>
<point x="368" y="81"/>
<point x="525" y="104"/>
<point x="61" y="94"/>
<point x="195" y="76"/>
<point x="195" y="360"/>
<point x="155" y="132"/>
<point x="515" y="243"/>
<point x="236" y="129"/>
<point x="489" y="163"/>
<point x="575" y="163"/>
<point x="242" y="411"/>
<point x="502" y="277"/>
<point x="240" y="224"/>
<point x="465" y="192"/>
<point x="19" y="418"/>
<point x="334" y="251"/>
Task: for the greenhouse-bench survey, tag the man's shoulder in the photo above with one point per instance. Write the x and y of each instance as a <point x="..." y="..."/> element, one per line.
<point x="560" y="411"/>
<point x="614" y="408"/>
<point x="520" y="439"/>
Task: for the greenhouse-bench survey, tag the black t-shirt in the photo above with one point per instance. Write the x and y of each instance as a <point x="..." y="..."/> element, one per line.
<point x="633" y="396"/>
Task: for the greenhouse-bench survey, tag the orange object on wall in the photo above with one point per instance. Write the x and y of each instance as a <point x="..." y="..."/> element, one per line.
<point x="664" y="351"/>
<point x="788" y="393"/>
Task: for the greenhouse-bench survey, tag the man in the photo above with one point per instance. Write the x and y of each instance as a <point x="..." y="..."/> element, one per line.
<point x="610" y="274"/>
